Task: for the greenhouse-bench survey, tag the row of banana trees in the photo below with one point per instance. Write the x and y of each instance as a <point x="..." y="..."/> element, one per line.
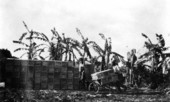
<point x="152" y="73"/>
<point x="35" y="44"/>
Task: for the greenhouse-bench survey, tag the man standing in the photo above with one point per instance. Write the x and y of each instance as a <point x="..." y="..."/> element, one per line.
<point x="82" y="73"/>
<point x="133" y="59"/>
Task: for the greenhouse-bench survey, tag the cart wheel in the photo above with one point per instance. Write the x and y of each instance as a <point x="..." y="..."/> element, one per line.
<point x="93" y="87"/>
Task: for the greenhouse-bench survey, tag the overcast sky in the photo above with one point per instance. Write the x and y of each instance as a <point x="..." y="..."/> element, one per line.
<point x="122" y="20"/>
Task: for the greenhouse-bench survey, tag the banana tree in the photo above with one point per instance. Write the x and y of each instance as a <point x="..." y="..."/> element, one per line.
<point x="105" y="52"/>
<point x="59" y="46"/>
<point x="71" y="45"/>
<point x="155" y="66"/>
<point x="32" y="49"/>
<point x="53" y="45"/>
<point x="84" y="45"/>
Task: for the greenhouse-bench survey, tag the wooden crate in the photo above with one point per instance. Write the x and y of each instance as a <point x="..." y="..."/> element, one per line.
<point x="9" y="68"/>
<point x="63" y="69"/>
<point x="37" y="86"/>
<point x="45" y="63"/>
<point x="44" y="85"/>
<point x="56" y="75"/>
<point x="76" y="73"/>
<point x="58" y="63"/>
<point x="70" y="86"/>
<point x="65" y="64"/>
<point x="70" y="64"/>
<point x="38" y="68"/>
<point x="37" y="63"/>
<point x="51" y="64"/>
<point x="44" y="69"/>
<point x="37" y="78"/>
<point x="24" y="62"/>
<point x="70" y="75"/>
<point x="57" y="81"/>
<point x="70" y="69"/>
<point x="69" y="81"/>
<point x="51" y="69"/>
<point x="63" y="84"/>
<point x="50" y="86"/>
<point x="30" y="70"/>
<point x="50" y="79"/>
<point x="63" y="75"/>
<point x="57" y="69"/>
<point x="57" y="86"/>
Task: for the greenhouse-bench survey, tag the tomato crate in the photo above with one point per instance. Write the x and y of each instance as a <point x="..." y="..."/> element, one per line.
<point x="63" y="75"/>
<point x="37" y="63"/>
<point x="58" y="63"/>
<point x="64" y="64"/>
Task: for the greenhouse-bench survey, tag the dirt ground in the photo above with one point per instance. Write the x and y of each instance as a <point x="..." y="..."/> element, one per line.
<point x="134" y="95"/>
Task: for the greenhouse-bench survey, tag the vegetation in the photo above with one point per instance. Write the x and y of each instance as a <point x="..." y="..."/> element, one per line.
<point x="31" y="48"/>
<point x="63" y="48"/>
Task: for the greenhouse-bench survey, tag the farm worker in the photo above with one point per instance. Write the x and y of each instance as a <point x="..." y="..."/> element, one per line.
<point x="128" y="66"/>
<point x="133" y="59"/>
<point x="81" y="64"/>
<point x="115" y="60"/>
<point x="82" y="78"/>
<point x="97" y="67"/>
<point x="82" y="72"/>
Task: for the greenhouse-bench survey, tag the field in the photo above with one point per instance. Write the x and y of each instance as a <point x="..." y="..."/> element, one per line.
<point x="134" y="95"/>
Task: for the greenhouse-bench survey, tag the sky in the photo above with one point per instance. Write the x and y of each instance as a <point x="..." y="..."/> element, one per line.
<point x="122" y="20"/>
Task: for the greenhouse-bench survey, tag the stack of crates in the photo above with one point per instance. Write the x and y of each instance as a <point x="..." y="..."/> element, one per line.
<point x="57" y="69"/>
<point x="63" y="76"/>
<point x="30" y="74"/>
<point x="23" y="72"/>
<point x="70" y="75"/>
<point x="51" y="74"/>
<point x="76" y="77"/>
<point x="37" y="74"/>
<point x="12" y="73"/>
<point x="44" y="75"/>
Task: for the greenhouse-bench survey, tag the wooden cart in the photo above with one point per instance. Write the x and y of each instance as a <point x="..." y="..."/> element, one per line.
<point x="106" y="79"/>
